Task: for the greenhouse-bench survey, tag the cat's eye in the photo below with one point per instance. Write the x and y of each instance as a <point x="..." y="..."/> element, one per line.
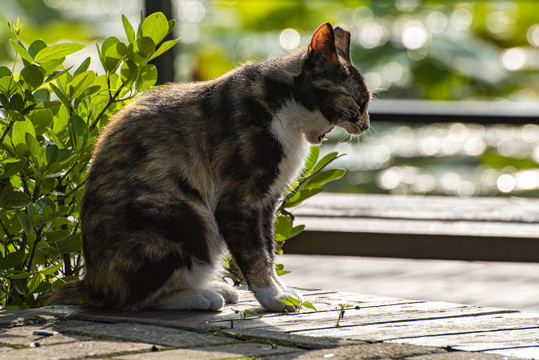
<point x="362" y="106"/>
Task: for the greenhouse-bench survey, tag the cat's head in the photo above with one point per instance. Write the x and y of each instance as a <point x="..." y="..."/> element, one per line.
<point x="330" y="83"/>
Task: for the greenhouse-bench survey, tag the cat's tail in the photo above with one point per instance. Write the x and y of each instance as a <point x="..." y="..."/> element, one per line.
<point x="69" y="293"/>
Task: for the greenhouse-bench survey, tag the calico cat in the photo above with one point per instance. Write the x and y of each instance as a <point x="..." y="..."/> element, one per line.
<point x="189" y="171"/>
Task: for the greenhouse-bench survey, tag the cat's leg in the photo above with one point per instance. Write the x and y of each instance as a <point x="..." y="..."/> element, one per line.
<point x="270" y="246"/>
<point x="245" y="230"/>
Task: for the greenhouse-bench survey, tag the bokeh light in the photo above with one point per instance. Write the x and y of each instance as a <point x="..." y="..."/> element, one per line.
<point x="513" y="59"/>
<point x="414" y="36"/>
<point x="289" y="39"/>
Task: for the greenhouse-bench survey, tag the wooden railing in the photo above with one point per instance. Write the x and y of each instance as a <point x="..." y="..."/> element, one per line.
<point x="428" y="227"/>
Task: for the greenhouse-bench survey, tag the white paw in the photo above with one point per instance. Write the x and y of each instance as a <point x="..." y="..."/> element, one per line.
<point x="270" y="298"/>
<point x="193" y="299"/>
<point x="230" y="294"/>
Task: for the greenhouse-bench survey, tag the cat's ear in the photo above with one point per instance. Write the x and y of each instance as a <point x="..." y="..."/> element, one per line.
<point x="322" y="45"/>
<point x="342" y="42"/>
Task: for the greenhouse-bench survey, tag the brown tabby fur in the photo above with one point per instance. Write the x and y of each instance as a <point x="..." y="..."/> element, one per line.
<point x="188" y="171"/>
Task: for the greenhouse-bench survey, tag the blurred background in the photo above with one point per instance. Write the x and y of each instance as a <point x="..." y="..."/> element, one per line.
<point x="484" y="54"/>
<point x="407" y="49"/>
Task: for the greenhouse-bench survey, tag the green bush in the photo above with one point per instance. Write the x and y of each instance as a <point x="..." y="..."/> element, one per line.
<point x="50" y="118"/>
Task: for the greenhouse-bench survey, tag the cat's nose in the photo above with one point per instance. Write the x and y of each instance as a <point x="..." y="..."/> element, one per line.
<point x="364" y="122"/>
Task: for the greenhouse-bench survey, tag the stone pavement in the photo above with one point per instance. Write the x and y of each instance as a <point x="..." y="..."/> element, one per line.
<point x="498" y="284"/>
<point x="373" y="328"/>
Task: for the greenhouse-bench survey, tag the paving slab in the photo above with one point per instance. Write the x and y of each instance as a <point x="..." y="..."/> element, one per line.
<point x="26" y="336"/>
<point x="231" y="351"/>
<point x="140" y="333"/>
<point x="75" y="350"/>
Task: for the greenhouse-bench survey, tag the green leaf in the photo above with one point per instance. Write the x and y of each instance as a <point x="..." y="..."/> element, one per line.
<point x="33" y="76"/>
<point x="325" y="161"/>
<point x="7" y="86"/>
<point x="61" y="95"/>
<point x="147" y="77"/>
<point x="11" y="260"/>
<point x="58" y="51"/>
<point x="156" y="27"/>
<point x="11" y="166"/>
<point x="36" y="47"/>
<point x="309" y="306"/>
<point x="34" y="283"/>
<point x="79" y="83"/>
<point x="171" y="25"/>
<point x="51" y="154"/>
<point x="325" y="176"/>
<point x="46" y="204"/>
<point x="70" y="244"/>
<point x="78" y="133"/>
<point x="20" y="286"/>
<point x="4" y="71"/>
<point x="311" y="159"/>
<point x="19" y="49"/>
<point x="283" y="228"/>
<point x="296" y="230"/>
<point x="15" y="200"/>
<point x="287" y="302"/>
<point x="56" y="74"/>
<point x="144" y="47"/>
<point x="279" y="270"/>
<point x="164" y="47"/>
<point x="83" y="67"/>
<point x="113" y="53"/>
<point x="42" y="96"/>
<point x="129" y="73"/>
<point x="294" y="301"/>
<point x="59" y="235"/>
<point x="89" y="91"/>
<point x="51" y="270"/>
<point x="51" y="66"/>
<point x="129" y="31"/>
<point x="18" y="136"/>
<point x="19" y="274"/>
<point x="35" y="150"/>
<point x="16" y="102"/>
<point x="301" y="196"/>
<point x="26" y="223"/>
<point x="42" y="119"/>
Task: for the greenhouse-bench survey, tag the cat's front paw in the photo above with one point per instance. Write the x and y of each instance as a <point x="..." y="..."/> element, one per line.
<point x="271" y="299"/>
<point x="192" y="299"/>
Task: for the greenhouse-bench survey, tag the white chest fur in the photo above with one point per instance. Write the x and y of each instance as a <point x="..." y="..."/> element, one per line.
<point x="287" y="126"/>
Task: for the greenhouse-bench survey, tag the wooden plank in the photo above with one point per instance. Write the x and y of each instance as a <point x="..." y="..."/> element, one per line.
<point x="447" y="208"/>
<point x="480" y="341"/>
<point x="423" y="329"/>
<point x="489" y="229"/>
<point x="525" y="352"/>
<point x="326" y="321"/>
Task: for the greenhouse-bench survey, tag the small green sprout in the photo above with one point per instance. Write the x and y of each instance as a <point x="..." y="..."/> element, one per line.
<point x="243" y="313"/>
<point x="341" y="313"/>
<point x="297" y="304"/>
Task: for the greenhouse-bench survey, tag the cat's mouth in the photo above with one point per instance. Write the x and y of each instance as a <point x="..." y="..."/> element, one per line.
<point x="322" y="137"/>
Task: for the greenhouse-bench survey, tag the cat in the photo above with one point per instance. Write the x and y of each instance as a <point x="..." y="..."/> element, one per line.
<point x="189" y="171"/>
